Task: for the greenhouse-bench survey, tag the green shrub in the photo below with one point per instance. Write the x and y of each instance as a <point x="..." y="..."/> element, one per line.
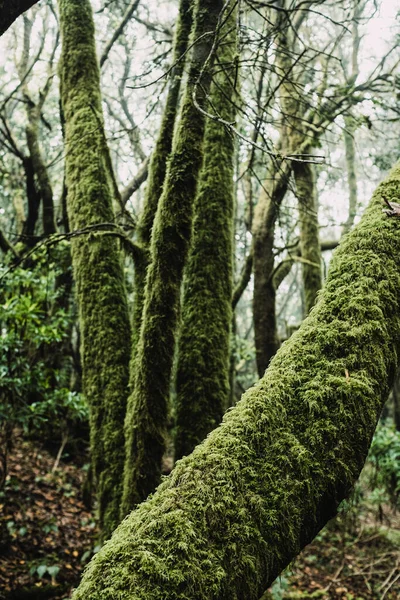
<point x="384" y="456"/>
<point x="34" y="327"/>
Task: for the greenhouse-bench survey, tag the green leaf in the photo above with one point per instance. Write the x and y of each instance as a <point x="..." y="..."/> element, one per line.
<point x="53" y="570"/>
<point x="41" y="570"/>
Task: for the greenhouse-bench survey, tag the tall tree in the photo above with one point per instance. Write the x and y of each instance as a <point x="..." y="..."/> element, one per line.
<point x="159" y="159"/>
<point x="203" y="348"/>
<point x="233" y="514"/>
<point x="310" y="247"/>
<point x="350" y="153"/>
<point x="265" y="216"/>
<point x="96" y="257"/>
<point x="147" y="412"/>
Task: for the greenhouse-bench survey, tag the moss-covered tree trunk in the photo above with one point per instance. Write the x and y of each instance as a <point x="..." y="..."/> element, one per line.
<point x="233" y="514"/>
<point x="158" y="162"/>
<point x="203" y="350"/>
<point x="96" y="259"/>
<point x="310" y="247"/>
<point x="146" y="418"/>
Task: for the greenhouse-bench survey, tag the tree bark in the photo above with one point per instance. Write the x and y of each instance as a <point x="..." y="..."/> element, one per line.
<point x="147" y="413"/>
<point x="264" y="294"/>
<point x="396" y="400"/>
<point x="96" y="260"/>
<point x="40" y="169"/>
<point x="33" y="196"/>
<point x="310" y="247"/>
<point x="271" y="197"/>
<point x="235" y="513"/>
<point x="202" y="382"/>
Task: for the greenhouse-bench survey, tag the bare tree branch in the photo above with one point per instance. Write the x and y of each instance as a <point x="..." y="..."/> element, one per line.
<point x="135" y="182"/>
<point x="127" y="15"/>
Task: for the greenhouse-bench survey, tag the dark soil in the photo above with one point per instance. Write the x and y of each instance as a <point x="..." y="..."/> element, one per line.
<point x="47" y="535"/>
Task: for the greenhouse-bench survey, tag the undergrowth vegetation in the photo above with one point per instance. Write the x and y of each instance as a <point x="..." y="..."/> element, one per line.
<point x="36" y="395"/>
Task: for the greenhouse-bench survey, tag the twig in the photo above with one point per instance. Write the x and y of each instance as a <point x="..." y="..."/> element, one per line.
<point x="390" y="585"/>
<point x="60" y="451"/>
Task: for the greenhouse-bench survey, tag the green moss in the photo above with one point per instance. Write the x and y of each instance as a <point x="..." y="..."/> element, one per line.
<point x="96" y="259"/>
<point x="147" y="411"/>
<point x="235" y="512"/>
<point x="203" y="348"/>
<point x="159" y="158"/>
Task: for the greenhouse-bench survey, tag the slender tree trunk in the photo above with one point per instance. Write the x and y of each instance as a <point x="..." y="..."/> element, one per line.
<point x="33" y="112"/>
<point x="147" y="412"/>
<point x="33" y="197"/>
<point x="267" y="209"/>
<point x="232" y="362"/>
<point x="264" y="295"/>
<point x="158" y="162"/>
<point x="396" y="400"/>
<point x="310" y="247"/>
<point x="46" y="192"/>
<point x="351" y="171"/>
<point x="96" y="259"/>
<point x="203" y="349"/>
<point x="235" y="513"/>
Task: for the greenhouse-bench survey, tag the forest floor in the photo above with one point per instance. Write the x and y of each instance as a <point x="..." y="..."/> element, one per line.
<point x="47" y="535"/>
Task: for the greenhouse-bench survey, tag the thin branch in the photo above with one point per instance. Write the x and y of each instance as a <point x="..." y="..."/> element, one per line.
<point x="244" y="280"/>
<point x="98" y="228"/>
<point x="135" y="182"/>
<point x="128" y="14"/>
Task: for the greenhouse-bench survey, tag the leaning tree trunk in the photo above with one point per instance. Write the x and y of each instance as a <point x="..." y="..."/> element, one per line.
<point x="146" y="418"/>
<point x="202" y="382"/>
<point x="234" y="513"/>
<point x="96" y="259"/>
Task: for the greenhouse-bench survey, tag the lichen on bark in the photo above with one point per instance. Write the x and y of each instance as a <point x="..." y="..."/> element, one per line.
<point x="96" y="260"/>
<point x="234" y="513"/>
<point x="202" y="382"/>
